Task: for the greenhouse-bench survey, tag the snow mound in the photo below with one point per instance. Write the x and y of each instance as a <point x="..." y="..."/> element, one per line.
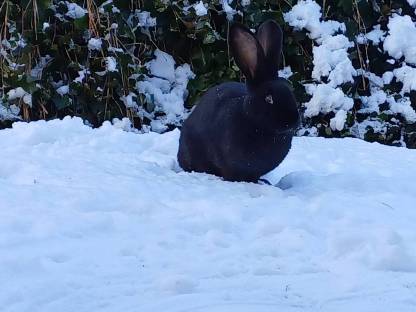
<point x="103" y="220"/>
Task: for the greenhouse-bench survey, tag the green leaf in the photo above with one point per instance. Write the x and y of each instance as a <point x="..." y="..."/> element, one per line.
<point x="61" y="102"/>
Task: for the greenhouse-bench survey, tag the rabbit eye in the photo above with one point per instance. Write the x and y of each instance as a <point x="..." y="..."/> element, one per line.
<point x="269" y="99"/>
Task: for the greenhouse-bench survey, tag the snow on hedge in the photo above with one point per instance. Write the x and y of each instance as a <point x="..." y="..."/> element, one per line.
<point x="407" y="76"/>
<point x="200" y="8"/>
<point x="63" y="90"/>
<point x="330" y="60"/>
<point x="229" y="11"/>
<point x="165" y="88"/>
<point x="75" y="11"/>
<point x="403" y="107"/>
<point x="306" y="14"/>
<point x="401" y="40"/>
<point x="327" y="99"/>
<point x="95" y="44"/>
<point x="9" y="113"/>
<point x="143" y="19"/>
<point x="375" y="36"/>
<point x="333" y="67"/>
<point x="20" y="93"/>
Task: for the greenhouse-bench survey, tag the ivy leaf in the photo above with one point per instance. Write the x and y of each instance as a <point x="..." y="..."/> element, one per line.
<point x="81" y="23"/>
<point x="61" y="102"/>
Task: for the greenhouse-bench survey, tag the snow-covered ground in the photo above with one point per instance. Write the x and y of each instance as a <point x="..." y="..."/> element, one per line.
<point x="100" y="220"/>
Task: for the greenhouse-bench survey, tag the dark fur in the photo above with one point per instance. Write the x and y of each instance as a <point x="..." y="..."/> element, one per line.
<point x="235" y="131"/>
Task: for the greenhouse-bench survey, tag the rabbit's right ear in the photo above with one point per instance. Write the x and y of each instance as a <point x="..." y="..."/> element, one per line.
<point x="270" y="36"/>
<point x="248" y="53"/>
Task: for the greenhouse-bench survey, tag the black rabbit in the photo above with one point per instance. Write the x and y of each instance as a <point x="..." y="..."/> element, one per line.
<point x="242" y="131"/>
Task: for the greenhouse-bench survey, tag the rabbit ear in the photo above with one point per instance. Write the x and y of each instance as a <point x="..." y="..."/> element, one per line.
<point x="248" y="53"/>
<point x="270" y="36"/>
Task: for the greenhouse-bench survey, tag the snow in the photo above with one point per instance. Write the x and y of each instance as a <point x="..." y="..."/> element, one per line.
<point x="401" y="40"/>
<point x="308" y="131"/>
<point x="183" y="74"/>
<point x="20" y="93"/>
<point x="371" y="103"/>
<point x="102" y="7"/>
<point x="101" y="220"/>
<point x="81" y="75"/>
<point x="9" y="113"/>
<point x="114" y="49"/>
<point x="326" y="99"/>
<point x="412" y="3"/>
<point x="95" y="44"/>
<point x="105" y="3"/>
<point x="111" y="64"/>
<point x="375" y="81"/>
<point x="129" y="101"/>
<point x="200" y="8"/>
<point x="63" y="90"/>
<point x="166" y="89"/>
<point x="229" y="11"/>
<point x="45" y="26"/>
<point x="123" y="124"/>
<point x="407" y="76"/>
<point x="75" y="11"/>
<point x="360" y="129"/>
<point x="306" y="14"/>
<point x="387" y="77"/>
<point x="330" y="59"/>
<point x="145" y="20"/>
<point x="163" y="66"/>
<point x="375" y="36"/>
<point x="402" y="106"/>
<point x="285" y="72"/>
<point x="42" y="63"/>
<point x="114" y="9"/>
<point x="338" y="122"/>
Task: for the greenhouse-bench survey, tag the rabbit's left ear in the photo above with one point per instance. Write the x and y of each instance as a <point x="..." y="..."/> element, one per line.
<point x="270" y="36"/>
<point x="248" y="53"/>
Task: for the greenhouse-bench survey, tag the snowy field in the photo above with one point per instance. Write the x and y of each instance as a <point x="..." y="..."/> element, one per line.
<point x="100" y="220"/>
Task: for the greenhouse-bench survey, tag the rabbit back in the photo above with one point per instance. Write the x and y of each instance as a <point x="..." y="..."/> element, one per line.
<point x="199" y="146"/>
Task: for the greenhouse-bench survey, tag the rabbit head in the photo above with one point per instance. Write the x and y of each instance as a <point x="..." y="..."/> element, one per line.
<point x="270" y="99"/>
